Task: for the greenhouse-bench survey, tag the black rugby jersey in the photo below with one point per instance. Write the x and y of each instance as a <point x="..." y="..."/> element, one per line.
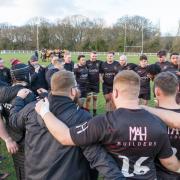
<point x="145" y="80"/>
<point x="109" y="71"/>
<point x="163" y="65"/>
<point x="174" y="137"/>
<point x="81" y="73"/>
<point x="93" y="71"/>
<point x="133" y="137"/>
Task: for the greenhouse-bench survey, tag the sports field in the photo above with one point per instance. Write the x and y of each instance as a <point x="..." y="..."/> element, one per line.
<point x="7" y="165"/>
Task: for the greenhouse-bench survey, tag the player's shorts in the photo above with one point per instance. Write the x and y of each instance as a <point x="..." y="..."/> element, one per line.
<point x="107" y="89"/>
<point x="161" y="175"/>
<point x="93" y="90"/>
<point x="146" y="96"/>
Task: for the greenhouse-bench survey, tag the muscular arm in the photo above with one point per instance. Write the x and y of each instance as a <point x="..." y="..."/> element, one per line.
<point x="171" y="163"/>
<point x="172" y="119"/>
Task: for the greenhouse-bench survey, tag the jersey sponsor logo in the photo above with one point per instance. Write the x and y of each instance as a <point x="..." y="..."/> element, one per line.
<point x="109" y="74"/>
<point x="137" y="133"/>
<point x="137" y="138"/>
<point x="136" y="143"/>
<point x="174" y="133"/>
<point x="84" y="75"/>
<point x="81" y="128"/>
<point x="93" y="70"/>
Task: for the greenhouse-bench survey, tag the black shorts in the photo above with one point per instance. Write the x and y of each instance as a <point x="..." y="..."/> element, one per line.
<point x="93" y="88"/>
<point x="161" y="175"/>
<point x="146" y="96"/>
<point x="107" y="89"/>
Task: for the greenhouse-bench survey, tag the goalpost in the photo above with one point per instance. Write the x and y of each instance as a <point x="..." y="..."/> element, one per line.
<point x="141" y="48"/>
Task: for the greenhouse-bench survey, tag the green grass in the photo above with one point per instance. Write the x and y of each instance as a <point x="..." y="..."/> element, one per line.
<point x="7" y="164"/>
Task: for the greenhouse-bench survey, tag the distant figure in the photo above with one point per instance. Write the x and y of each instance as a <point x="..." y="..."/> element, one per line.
<point x="4" y="73"/>
<point x="36" y="53"/>
<point x="162" y="61"/>
<point x="68" y="63"/>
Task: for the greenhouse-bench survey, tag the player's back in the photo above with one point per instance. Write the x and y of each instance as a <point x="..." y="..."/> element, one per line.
<point x="174" y="137"/>
<point x="135" y="138"/>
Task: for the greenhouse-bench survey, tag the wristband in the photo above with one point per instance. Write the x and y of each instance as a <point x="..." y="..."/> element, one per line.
<point x="44" y="110"/>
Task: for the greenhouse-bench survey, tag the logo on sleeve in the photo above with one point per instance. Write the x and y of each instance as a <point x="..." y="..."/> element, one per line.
<point x="174" y="133"/>
<point x="81" y="128"/>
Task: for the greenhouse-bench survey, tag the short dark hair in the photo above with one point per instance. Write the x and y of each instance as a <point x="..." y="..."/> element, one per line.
<point x="80" y="56"/>
<point x="161" y="53"/>
<point x="111" y="52"/>
<point x="143" y="57"/>
<point x="93" y="52"/>
<point x="174" y="53"/>
<point x="153" y="69"/>
<point x="167" y="82"/>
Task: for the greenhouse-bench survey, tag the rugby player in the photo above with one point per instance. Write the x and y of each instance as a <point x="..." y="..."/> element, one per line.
<point x="166" y="87"/>
<point x="162" y="62"/>
<point x="145" y="89"/>
<point x="68" y="63"/>
<point x="124" y="65"/>
<point x="108" y="70"/>
<point x="81" y="74"/>
<point x="93" y="66"/>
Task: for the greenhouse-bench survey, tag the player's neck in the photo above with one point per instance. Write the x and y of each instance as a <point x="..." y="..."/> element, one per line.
<point x="128" y="104"/>
<point x="169" y="103"/>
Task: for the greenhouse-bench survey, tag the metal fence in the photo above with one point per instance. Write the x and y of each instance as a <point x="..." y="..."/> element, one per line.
<point x="75" y="53"/>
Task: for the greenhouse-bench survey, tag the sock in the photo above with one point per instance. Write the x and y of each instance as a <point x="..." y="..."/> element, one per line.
<point x="86" y="109"/>
<point x="94" y="112"/>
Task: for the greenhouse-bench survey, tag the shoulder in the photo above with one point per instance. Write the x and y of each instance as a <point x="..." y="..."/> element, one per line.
<point x="29" y="107"/>
<point x="85" y="115"/>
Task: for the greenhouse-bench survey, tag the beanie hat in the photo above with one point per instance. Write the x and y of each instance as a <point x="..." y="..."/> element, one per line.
<point x="20" y="72"/>
<point x="15" y="61"/>
<point x="33" y="58"/>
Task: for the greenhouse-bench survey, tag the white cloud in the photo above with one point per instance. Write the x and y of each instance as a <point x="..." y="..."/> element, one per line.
<point x="18" y="12"/>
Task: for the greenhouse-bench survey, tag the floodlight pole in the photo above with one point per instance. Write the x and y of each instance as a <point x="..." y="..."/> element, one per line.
<point x="125" y="37"/>
<point x="37" y="37"/>
<point x="142" y="40"/>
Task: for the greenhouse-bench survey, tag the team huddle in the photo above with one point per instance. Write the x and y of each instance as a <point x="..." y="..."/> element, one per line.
<point x="51" y="134"/>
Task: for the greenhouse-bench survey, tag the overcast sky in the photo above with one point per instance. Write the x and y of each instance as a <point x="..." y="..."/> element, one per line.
<point x="18" y="12"/>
